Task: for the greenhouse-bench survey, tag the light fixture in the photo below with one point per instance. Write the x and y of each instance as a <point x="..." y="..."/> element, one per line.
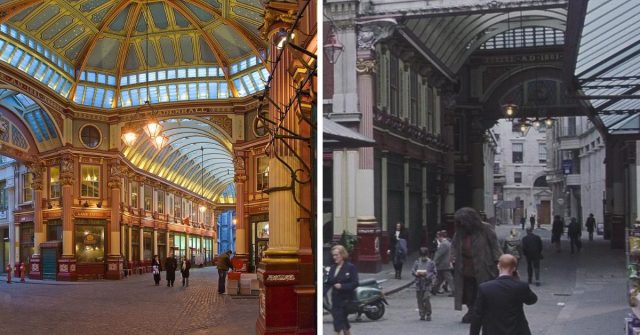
<point x="333" y="48"/>
<point x="536" y="123"/>
<point x="509" y="110"/>
<point x="548" y="122"/>
<point x="129" y="137"/>
<point x="160" y="141"/>
<point x="282" y="37"/>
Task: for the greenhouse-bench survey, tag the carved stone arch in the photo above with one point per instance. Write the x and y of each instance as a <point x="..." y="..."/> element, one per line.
<point x="14" y="123"/>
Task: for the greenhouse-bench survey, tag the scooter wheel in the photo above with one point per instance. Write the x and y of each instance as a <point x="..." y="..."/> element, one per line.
<point x="378" y="313"/>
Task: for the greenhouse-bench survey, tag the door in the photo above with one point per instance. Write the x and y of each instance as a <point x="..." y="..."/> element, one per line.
<point x="544" y="212"/>
<point x="49" y="263"/>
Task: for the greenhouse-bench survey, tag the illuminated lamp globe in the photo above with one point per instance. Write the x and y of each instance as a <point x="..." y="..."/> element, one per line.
<point x="153" y="128"/>
<point x="548" y="122"/>
<point x="536" y="123"/>
<point x="202" y="208"/>
<point x="160" y="142"/>
<point x="129" y="138"/>
<point x="523" y="127"/>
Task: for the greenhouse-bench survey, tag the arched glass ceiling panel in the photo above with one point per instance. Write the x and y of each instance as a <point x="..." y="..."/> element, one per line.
<point x="526" y="37"/>
<point x="37" y="120"/>
<point x="180" y="162"/>
<point x="95" y="35"/>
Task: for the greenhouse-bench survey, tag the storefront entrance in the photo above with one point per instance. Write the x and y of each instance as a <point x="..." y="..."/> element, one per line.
<point x="259" y="237"/>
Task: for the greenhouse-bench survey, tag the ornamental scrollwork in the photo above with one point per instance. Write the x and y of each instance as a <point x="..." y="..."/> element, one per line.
<point x="372" y="32"/>
<point x="366" y="66"/>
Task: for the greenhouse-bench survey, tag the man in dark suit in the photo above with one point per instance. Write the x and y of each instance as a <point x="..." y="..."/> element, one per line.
<point x="498" y="307"/>
<point x="532" y="249"/>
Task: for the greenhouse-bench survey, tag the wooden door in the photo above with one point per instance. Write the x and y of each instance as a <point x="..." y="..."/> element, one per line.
<point x="544" y="212"/>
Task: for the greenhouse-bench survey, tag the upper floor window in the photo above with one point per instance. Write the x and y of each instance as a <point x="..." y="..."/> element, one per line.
<point x="542" y="152"/>
<point x="27" y="188"/>
<point x="517" y="153"/>
<point x="54" y="182"/>
<point x="517" y="177"/>
<point x="394" y="84"/>
<point x="160" y="201"/>
<point x="90" y="187"/>
<point x="4" y="199"/>
<point x="133" y="191"/>
<point x="262" y="173"/>
<point x="414" y="100"/>
<point x="148" y="198"/>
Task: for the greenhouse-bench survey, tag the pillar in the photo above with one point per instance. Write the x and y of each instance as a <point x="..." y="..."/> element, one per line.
<point x="37" y="169"/>
<point x="13" y="236"/>
<point x="114" y="258"/>
<point x="67" y="263"/>
<point x="242" y="232"/>
<point x="345" y="167"/>
<point x="130" y="255"/>
<point x="448" y="177"/>
<point x="476" y="158"/>
<point x="155" y="241"/>
<point x="286" y="273"/>
<point x="384" y="199"/>
<point x="425" y="202"/>
<point x="141" y="243"/>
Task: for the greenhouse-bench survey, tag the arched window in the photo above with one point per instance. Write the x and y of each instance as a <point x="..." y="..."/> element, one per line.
<point x="541" y="182"/>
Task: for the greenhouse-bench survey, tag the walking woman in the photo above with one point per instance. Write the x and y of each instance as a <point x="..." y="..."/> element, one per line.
<point x="155" y="265"/>
<point x="398" y="249"/>
<point x="342" y="281"/>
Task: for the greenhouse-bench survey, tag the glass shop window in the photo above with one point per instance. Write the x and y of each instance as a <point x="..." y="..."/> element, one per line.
<point x="148" y="198"/>
<point x="135" y="244"/>
<point x="160" y="201"/>
<point x="89" y="243"/>
<point x="27" y="188"/>
<point x="133" y="191"/>
<point x="147" y="240"/>
<point x="177" y="209"/>
<point x="262" y="173"/>
<point x="54" y="182"/>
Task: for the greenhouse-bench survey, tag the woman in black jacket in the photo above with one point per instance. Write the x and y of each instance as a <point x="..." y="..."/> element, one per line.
<point x="342" y="280"/>
<point x="155" y="266"/>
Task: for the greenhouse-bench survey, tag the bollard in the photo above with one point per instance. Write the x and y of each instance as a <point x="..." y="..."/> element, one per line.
<point x="22" y="272"/>
<point x="8" y="274"/>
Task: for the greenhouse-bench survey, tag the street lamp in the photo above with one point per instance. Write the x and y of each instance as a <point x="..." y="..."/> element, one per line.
<point x="333" y="48"/>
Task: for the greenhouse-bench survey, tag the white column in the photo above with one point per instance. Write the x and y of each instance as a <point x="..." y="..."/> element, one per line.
<point x="385" y="192"/>
<point x="407" y="209"/>
<point x="424" y="195"/>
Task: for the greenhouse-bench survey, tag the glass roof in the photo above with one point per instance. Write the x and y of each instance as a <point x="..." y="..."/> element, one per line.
<point x="608" y="66"/>
<point x="197" y="158"/>
<point x="99" y="46"/>
<point x="37" y="120"/>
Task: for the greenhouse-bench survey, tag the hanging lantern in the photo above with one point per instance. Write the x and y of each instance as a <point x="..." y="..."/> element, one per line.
<point x="523" y="127"/>
<point x="129" y="137"/>
<point x="549" y="122"/>
<point x="202" y="208"/>
<point x="160" y="141"/>
<point x="536" y="123"/>
<point x="509" y="110"/>
<point x="333" y="49"/>
<point x="153" y="128"/>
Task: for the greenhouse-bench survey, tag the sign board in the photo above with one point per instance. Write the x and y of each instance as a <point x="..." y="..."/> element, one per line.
<point x="567" y="166"/>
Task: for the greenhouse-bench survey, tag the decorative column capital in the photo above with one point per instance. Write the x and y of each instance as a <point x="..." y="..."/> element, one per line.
<point x="115" y="174"/>
<point x="280" y="13"/>
<point x="373" y="31"/>
<point x="37" y="169"/>
<point x="366" y="66"/>
<point x="66" y="170"/>
<point x="239" y="162"/>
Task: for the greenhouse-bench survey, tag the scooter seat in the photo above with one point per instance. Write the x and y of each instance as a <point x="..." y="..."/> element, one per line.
<point x="367" y="282"/>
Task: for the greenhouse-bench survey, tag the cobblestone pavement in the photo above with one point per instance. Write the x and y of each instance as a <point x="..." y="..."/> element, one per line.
<point x="579" y="294"/>
<point x="130" y="306"/>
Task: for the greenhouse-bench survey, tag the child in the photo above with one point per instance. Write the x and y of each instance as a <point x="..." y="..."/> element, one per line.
<point x="424" y="269"/>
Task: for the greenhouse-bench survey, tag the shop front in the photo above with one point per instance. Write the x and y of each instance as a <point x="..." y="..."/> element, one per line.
<point x="259" y="237"/>
<point x="90" y="241"/>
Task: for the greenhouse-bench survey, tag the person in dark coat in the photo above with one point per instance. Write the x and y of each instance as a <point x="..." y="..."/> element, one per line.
<point x="184" y="270"/>
<point x="442" y="258"/>
<point x="557" y="230"/>
<point x="224" y="265"/>
<point x="170" y="265"/>
<point x="575" y="232"/>
<point x="591" y="225"/>
<point x="475" y="252"/>
<point x="342" y="281"/>
<point x="398" y="249"/>
<point x="155" y="267"/>
<point x="532" y="250"/>
<point x="499" y="306"/>
<point x="523" y="221"/>
<point x="532" y="221"/>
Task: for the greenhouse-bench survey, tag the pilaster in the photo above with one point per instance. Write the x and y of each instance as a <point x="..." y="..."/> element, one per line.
<point x="114" y="259"/>
<point x="37" y="169"/>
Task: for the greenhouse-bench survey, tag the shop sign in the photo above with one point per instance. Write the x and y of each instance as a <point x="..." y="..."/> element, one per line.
<point x="281" y="277"/>
<point x="567" y="166"/>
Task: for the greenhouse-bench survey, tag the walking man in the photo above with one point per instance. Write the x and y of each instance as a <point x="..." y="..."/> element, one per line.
<point x="498" y="308"/>
<point x="442" y="258"/>
<point x="224" y="264"/>
<point x="591" y="225"/>
<point x="170" y="265"/>
<point x="557" y="230"/>
<point x="522" y="222"/>
<point x="532" y="250"/>
<point x="532" y="221"/>
<point x="575" y="231"/>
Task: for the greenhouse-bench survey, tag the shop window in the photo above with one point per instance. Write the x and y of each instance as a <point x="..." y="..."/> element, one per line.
<point x="160" y="201"/>
<point x="542" y="153"/>
<point x="147" y="244"/>
<point x="27" y="187"/>
<point x="262" y="173"/>
<point x="54" y="230"/>
<point x="4" y="199"/>
<point x="135" y="244"/>
<point x="26" y="241"/>
<point x="148" y="198"/>
<point x="90" y="187"/>
<point x="517" y="153"/>
<point x="89" y="241"/>
<point x="133" y="191"/>
<point x="177" y="209"/>
<point x="54" y="182"/>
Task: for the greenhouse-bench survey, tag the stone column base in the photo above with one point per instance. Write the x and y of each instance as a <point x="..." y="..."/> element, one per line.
<point x="114" y="267"/>
<point x="287" y="295"/>
<point x="369" y="260"/>
<point x="35" y="272"/>
<point x="67" y="269"/>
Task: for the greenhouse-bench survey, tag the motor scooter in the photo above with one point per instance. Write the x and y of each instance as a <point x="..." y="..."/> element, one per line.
<point x="368" y="299"/>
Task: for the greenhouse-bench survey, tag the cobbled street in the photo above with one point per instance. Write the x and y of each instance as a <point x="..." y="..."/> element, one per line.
<point x="130" y="306"/>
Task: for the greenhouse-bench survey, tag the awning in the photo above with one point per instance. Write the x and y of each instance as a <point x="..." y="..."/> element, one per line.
<point x="338" y="136"/>
<point x="608" y="62"/>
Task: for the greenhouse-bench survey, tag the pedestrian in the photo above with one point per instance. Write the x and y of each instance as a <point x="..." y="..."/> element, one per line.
<point x="224" y="265"/>
<point x="532" y="250"/>
<point x="442" y="258"/>
<point x="398" y="249"/>
<point x="591" y="225"/>
<point x="170" y="264"/>
<point x="574" y="232"/>
<point x="184" y="270"/>
<point x="342" y="281"/>
<point x="499" y="306"/>
<point x="155" y="267"/>
<point x="522" y="222"/>
<point x="532" y="221"/>
<point x="475" y="251"/>
<point x="557" y="230"/>
<point x="425" y="272"/>
<point x="513" y="245"/>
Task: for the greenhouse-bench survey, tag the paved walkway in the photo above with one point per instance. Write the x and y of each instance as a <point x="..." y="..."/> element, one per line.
<point x="130" y="306"/>
<point x="583" y="293"/>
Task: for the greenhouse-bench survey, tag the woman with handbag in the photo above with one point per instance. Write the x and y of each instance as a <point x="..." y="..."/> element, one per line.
<point x="342" y="281"/>
<point x="155" y="266"/>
